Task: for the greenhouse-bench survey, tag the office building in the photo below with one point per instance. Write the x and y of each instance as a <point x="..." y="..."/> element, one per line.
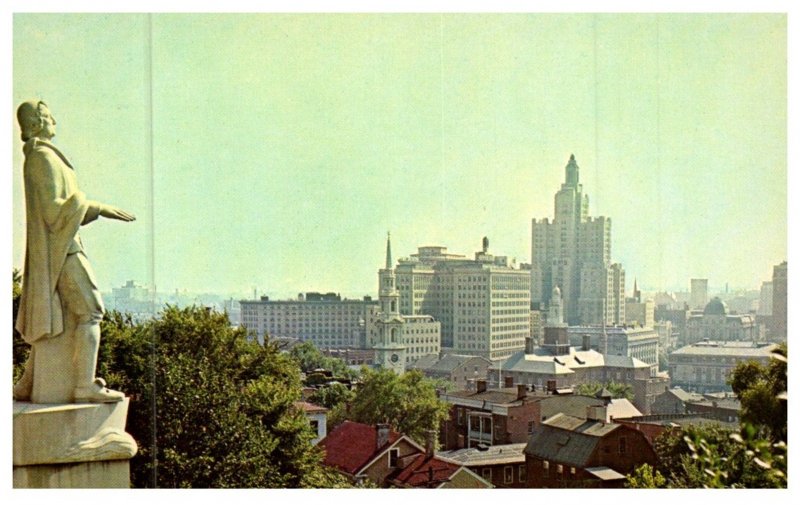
<point x="483" y="304"/>
<point x="327" y="320"/>
<point x="699" y="294"/>
<point x="573" y="252"/>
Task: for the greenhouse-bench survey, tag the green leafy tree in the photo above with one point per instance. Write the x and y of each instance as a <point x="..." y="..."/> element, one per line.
<point x="714" y="457"/>
<point x="617" y="389"/>
<point x="762" y="391"/>
<point x="210" y="408"/>
<point x="645" y="477"/>
<point x="309" y="358"/>
<point x="407" y="402"/>
<point x="335" y="397"/>
<point x="20" y="349"/>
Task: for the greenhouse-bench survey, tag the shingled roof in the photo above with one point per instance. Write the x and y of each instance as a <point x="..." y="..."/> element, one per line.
<point x="447" y="363"/>
<point x="350" y="446"/>
<point x="425" y="471"/>
<point x="567" y="439"/>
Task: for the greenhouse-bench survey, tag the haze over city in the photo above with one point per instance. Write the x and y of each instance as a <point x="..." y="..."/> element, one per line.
<point x="275" y="151"/>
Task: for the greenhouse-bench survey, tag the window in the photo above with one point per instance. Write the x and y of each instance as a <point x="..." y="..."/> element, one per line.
<point x="522" y="475"/>
<point x="531" y="426"/>
<point x="559" y="469"/>
<point x="546" y="468"/>
<point x="508" y="474"/>
<point x="487" y="474"/>
<point x="572" y="470"/>
<point x="394" y="455"/>
<point x="623" y="445"/>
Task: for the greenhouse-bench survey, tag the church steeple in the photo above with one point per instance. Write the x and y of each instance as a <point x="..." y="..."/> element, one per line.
<point x="388" y="250"/>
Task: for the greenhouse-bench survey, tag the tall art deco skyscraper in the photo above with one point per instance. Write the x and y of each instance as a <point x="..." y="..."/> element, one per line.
<point x="573" y="252"/>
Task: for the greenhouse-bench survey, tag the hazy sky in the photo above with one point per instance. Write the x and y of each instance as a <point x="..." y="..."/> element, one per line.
<point x="276" y="151"/>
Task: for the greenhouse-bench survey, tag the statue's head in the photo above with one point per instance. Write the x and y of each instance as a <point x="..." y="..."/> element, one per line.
<point x="35" y="120"/>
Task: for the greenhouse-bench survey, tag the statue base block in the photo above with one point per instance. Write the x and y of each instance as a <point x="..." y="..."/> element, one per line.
<point x="72" y="445"/>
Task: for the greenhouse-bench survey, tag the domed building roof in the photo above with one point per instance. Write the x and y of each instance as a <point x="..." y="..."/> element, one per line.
<point x="715" y="307"/>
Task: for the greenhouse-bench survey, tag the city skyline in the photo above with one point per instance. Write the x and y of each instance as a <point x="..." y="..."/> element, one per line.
<point x="280" y="165"/>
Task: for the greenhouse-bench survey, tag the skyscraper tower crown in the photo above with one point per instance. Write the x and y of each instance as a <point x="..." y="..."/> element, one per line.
<point x="572" y="172"/>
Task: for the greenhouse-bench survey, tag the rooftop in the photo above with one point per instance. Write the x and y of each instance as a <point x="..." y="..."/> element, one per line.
<point x="730" y="348"/>
<point x="423" y="471"/>
<point x="492" y="455"/>
<point x="351" y="445"/>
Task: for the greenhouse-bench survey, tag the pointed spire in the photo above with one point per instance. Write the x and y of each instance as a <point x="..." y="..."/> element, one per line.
<point x="388" y="250"/>
<point x="572" y="178"/>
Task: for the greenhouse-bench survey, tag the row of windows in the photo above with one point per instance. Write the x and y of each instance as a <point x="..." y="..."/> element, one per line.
<point x="508" y="474"/>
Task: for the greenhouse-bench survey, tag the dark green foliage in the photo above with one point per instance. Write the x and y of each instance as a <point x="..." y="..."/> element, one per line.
<point x="617" y="389"/>
<point x="762" y="391"/>
<point x="309" y="358"/>
<point x="337" y="398"/>
<point x="20" y="349"/>
<point x="714" y="457"/>
<point x="210" y="408"/>
<point x="407" y="402"/>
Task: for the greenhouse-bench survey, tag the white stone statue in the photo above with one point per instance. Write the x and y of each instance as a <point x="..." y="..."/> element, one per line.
<point x="61" y="308"/>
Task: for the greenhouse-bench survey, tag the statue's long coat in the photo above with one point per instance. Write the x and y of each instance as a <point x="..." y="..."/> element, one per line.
<point x="55" y="209"/>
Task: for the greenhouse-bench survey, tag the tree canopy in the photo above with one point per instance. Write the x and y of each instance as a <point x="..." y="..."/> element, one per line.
<point x="407" y="402"/>
<point x="617" y="389"/>
<point x="210" y="408"/>
<point x="762" y="391"/>
<point x="309" y="358"/>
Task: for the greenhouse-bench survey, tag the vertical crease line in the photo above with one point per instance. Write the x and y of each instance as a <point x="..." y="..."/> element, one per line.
<point x="658" y="153"/>
<point x="596" y="148"/>
<point x="442" y="175"/>
<point x="152" y="273"/>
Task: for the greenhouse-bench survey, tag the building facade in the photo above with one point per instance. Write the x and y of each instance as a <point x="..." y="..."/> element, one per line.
<point x="483" y="304"/>
<point x="637" y="342"/>
<point x="462" y="370"/>
<point x="715" y="323"/>
<point x="779" y="283"/>
<point x="573" y="252"/>
<point x="558" y="365"/>
<point x="327" y="320"/>
<point x="705" y="366"/>
<point x="699" y="293"/>
<point x="571" y="452"/>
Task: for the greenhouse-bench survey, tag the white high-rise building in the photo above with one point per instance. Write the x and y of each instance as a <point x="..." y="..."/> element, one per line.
<point x="699" y="294"/>
<point x="483" y="304"/>
<point x="573" y="252"/>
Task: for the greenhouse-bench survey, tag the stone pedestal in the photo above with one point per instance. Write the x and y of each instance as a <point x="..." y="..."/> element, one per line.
<point x="56" y="382"/>
<point x="72" y="445"/>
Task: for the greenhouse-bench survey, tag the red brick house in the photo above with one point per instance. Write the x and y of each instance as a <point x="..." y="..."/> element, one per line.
<point x="387" y="458"/>
<point x="570" y="452"/>
<point x="489" y="417"/>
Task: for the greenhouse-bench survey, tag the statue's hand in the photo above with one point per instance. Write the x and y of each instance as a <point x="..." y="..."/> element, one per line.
<point x="110" y="212"/>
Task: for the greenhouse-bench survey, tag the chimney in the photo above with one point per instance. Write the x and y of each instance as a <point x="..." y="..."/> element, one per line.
<point x="528" y="345"/>
<point x="586" y="343"/>
<point x="481" y="384"/>
<point x="383" y="435"/>
<point x="522" y="391"/>
<point x="430" y="442"/>
<point x="509" y="382"/>
<point x="596" y="413"/>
